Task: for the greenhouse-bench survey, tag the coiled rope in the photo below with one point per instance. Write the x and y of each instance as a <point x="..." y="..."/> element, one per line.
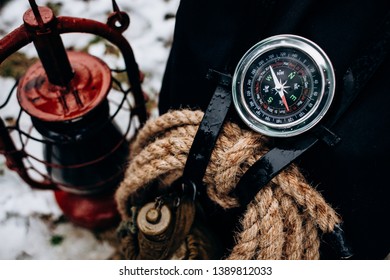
<point x="284" y="220"/>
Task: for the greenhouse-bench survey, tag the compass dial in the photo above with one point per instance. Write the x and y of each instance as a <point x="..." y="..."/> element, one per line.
<point x="283" y="86"/>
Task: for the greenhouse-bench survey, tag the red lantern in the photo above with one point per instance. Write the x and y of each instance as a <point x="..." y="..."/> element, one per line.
<point x="66" y="97"/>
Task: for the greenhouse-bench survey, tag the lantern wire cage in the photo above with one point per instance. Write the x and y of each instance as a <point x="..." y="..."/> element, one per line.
<point x="28" y="143"/>
<point x="31" y="138"/>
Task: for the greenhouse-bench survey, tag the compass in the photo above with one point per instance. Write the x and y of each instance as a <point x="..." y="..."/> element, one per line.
<point x="283" y="86"/>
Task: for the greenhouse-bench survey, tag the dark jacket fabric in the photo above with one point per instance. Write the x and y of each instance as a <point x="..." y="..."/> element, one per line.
<point x="353" y="176"/>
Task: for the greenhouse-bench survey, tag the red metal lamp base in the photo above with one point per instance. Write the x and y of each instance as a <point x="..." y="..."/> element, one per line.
<point x="92" y="212"/>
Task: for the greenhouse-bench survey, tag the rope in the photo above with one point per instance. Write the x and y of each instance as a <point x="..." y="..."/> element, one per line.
<point x="284" y="220"/>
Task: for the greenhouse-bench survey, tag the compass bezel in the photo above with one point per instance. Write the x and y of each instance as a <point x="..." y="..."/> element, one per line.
<point x="321" y="62"/>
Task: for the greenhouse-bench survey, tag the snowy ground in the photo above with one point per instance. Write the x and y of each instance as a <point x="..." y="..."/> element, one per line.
<point x="31" y="224"/>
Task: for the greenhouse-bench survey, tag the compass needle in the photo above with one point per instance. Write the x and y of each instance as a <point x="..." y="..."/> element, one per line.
<point x="274" y="77"/>
<point x="279" y="88"/>
<point x="285" y="103"/>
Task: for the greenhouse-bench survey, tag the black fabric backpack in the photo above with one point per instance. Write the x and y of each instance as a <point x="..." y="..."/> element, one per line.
<point x="352" y="175"/>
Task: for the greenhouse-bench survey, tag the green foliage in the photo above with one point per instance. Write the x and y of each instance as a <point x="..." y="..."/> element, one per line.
<point x="55" y="7"/>
<point x="56" y="240"/>
<point x="16" y="65"/>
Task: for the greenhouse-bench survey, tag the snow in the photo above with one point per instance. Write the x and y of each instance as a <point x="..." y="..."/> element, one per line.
<point x="31" y="223"/>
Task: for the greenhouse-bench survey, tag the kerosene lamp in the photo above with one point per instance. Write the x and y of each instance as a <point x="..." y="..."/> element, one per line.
<point x="65" y="95"/>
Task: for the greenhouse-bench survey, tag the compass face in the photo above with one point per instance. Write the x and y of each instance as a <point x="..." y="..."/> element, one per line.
<point x="283" y="86"/>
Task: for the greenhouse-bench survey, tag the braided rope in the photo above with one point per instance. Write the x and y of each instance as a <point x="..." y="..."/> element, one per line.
<point x="283" y="221"/>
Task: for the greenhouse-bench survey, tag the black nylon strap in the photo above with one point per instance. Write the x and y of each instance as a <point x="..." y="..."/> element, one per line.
<point x="268" y="166"/>
<point x="207" y="134"/>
